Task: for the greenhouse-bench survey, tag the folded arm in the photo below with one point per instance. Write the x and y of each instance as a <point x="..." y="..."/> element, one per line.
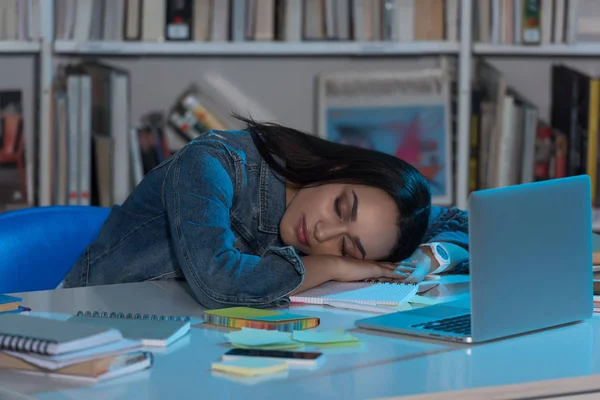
<point x="198" y="195"/>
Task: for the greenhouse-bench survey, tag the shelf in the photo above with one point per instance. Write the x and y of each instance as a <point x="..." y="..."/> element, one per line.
<point x="21" y="47"/>
<point x="579" y="49"/>
<point x="255" y="48"/>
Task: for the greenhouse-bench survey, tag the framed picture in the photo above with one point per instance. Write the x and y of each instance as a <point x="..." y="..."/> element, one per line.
<point x="406" y="114"/>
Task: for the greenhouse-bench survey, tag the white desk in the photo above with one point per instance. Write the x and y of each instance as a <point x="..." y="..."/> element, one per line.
<point x="388" y="365"/>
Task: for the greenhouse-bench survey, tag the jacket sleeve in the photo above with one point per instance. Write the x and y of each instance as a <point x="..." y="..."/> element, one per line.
<point x="198" y="194"/>
<point x="449" y="225"/>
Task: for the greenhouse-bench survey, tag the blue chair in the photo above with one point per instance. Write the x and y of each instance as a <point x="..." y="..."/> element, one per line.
<point x="38" y="246"/>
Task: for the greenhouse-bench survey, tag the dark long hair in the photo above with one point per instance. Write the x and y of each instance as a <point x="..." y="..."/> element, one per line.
<point x="306" y="160"/>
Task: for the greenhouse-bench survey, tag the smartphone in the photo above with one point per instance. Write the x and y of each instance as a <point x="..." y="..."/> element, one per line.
<point x="299" y="358"/>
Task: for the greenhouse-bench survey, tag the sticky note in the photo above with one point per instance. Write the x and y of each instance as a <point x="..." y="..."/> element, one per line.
<point x="250" y="366"/>
<point x="276" y="346"/>
<point x="417" y="299"/>
<point x="243" y="312"/>
<point x="323" y="337"/>
<point x="258" y="337"/>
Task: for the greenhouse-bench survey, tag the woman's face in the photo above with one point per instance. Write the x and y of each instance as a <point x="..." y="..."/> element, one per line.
<point x="340" y="219"/>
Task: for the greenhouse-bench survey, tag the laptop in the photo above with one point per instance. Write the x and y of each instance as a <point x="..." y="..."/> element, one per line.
<point x="530" y="249"/>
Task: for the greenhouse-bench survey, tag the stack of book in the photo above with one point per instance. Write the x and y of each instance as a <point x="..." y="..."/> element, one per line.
<point x="68" y="349"/>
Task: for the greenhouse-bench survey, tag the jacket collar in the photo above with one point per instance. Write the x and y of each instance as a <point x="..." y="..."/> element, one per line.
<point x="272" y="199"/>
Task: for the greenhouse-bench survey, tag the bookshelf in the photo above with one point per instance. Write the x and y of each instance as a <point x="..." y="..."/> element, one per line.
<point x="331" y="49"/>
<point x="19" y="47"/>
<point x="50" y="51"/>
<point x="327" y="48"/>
<point x="562" y="50"/>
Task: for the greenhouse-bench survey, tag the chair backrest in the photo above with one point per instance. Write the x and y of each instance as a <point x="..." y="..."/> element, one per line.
<point x="38" y="246"/>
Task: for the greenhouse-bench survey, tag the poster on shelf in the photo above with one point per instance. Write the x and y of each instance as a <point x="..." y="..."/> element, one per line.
<point x="403" y="113"/>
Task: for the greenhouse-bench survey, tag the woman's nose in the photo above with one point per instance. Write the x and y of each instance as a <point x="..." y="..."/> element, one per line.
<point x="326" y="231"/>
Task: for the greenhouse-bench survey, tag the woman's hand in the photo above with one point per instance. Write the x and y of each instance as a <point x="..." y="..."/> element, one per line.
<point x="351" y="269"/>
<point x="415" y="268"/>
<point x="322" y="268"/>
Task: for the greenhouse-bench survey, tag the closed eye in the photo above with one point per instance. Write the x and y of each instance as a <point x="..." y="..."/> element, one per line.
<point x="343" y="251"/>
<point x="336" y="207"/>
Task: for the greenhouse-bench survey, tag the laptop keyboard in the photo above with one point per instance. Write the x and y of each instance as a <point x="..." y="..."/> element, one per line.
<point x="460" y="325"/>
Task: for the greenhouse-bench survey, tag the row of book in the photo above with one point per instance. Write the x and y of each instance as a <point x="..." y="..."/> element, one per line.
<point x="100" y="153"/>
<point x="20" y="20"/>
<point x="536" y="22"/>
<point x="257" y="20"/>
<point x="511" y="145"/>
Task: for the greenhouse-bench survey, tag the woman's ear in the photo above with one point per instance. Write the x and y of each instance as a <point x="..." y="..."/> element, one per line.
<point x="290" y="193"/>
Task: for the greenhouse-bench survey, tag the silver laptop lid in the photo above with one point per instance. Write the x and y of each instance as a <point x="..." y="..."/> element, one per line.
<point x="531" y="256"/>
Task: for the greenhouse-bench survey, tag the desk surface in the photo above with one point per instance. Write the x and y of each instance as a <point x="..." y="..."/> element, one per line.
<point x="386" y="365"/>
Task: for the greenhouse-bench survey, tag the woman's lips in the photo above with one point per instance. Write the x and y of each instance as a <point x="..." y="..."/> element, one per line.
<point x="303" y="232"/>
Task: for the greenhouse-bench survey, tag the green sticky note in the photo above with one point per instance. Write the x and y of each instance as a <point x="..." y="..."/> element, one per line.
<point x="323" y="337"/>
<point x="258" y="337"/>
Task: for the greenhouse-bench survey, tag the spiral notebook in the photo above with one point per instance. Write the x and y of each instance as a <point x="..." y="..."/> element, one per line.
<point x="372" y="292"/>
<point x="150" y="329"/>
<point x="50" y="337"/>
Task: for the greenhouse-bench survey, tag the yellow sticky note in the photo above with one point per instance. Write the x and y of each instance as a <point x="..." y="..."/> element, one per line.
<point x="323" y="337"/>
<point x="258" y="337"/>
<point x="250" y="366"/>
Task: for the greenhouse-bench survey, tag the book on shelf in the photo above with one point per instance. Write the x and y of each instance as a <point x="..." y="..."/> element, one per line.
<point x="20" y="20"/>
<point x="511" y="145"/>
<point x="15" y="148"/>
<point x="92" y="135"/>
<point x="536" y="22"/>
<point x="503" y="132"/>
<point x="259" y="21"/>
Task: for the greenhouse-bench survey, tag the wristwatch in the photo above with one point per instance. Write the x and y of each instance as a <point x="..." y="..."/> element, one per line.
<point x="441" y="256"/>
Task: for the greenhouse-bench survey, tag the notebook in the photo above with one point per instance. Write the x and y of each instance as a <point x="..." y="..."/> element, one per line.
<point x="46" y="336"/>
<point x="104" y="314"/>
<point x="373" y="292"/>
<point x="240" y="317"/>
<point x="54" y="362"/>
<point x="121" y="365"/>
<point x="150" y="332"/>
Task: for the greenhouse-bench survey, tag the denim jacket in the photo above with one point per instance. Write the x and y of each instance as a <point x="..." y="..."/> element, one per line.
<point x="211" y="214"/>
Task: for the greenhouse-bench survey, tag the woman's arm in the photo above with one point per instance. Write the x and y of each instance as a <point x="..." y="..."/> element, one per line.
<point x="198" y="193"/>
